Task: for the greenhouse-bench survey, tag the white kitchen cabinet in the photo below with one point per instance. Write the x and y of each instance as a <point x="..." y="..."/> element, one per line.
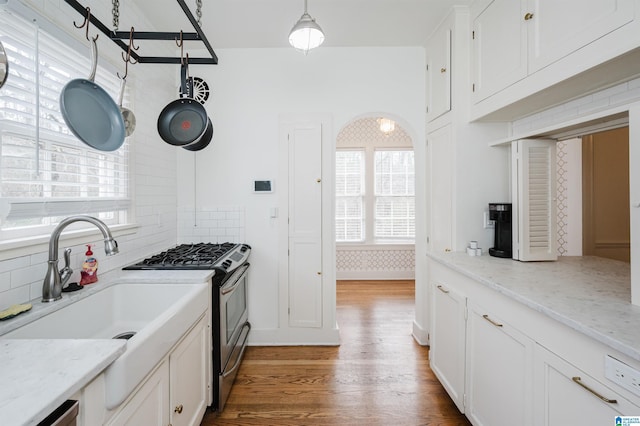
<point x="305" y="225"/>
<point x="499" y="371"/>
<point x="440" y="152"/>
<point x="447" y="339"/>
<point x="188" y="378"/>
<point x="514" y="39"/>
<point x="438" y="52"/>
<point x="564" y="394"/>
<point x="499" y="45"/>
<point x="149" y="404"/>
<point x="176" y="391"/>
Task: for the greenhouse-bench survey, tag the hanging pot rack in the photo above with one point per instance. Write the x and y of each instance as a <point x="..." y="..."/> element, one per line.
<point x="118" y="36"/>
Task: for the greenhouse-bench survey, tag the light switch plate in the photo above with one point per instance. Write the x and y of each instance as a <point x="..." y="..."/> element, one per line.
<point x="622" y="374"/>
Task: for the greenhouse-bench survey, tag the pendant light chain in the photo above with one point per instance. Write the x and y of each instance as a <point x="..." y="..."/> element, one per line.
<point x="199" y="11"/>
<point x="116" y="14"/>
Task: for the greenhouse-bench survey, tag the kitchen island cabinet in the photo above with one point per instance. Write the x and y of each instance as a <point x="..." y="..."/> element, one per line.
<point x="549" y="322"/>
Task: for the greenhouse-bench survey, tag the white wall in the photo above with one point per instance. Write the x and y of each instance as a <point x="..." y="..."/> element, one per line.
<point x="251" y="88"/>
<point x="153" y="171"/>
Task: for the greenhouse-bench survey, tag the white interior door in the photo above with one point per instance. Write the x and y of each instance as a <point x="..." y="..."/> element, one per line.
<point x="305" y="225"/>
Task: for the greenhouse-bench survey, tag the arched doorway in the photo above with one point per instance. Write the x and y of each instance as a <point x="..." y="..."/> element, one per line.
<point x="375" y="200"/>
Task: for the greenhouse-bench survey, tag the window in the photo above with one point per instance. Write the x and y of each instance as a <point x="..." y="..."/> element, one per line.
<point x="375" y="184"/>
<point x="350" y="196"/>
<point x="394" y="195"/>
<point x="46" y="173"/>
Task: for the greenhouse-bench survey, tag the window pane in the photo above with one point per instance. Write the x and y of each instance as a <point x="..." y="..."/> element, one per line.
<point x="394" y="195"/>
<point x="349" y="196"/>
<point x="41" y="162"/>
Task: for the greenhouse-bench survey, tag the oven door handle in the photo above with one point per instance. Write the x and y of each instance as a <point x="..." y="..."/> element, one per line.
<point x="240" y="273"/>
<point x="239" y="359"/>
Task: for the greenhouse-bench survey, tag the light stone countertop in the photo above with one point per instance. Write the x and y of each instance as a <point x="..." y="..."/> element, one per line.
<point x="37" y="375"/>
<point x="591" y="295"/>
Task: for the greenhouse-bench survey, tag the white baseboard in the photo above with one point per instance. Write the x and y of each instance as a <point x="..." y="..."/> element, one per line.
<point x="294" y="337"/>
<point x="375" y="275"/>
<point x="420" y="334"/>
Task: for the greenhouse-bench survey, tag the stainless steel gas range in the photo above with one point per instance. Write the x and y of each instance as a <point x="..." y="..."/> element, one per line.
<point x="231" y="327"/>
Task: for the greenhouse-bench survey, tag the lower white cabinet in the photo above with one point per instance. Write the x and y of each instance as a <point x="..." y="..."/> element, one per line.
<point x="175" y="393"/>
<point x="499" y="376"/>
<point x="148" y="406"/>
<point x="566" y="395"/>
<point x="447" y="349"/>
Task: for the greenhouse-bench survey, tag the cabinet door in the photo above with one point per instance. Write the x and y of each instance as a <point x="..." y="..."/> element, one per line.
<point x="149" y="404"/>
<point x="305" y="226"/>
<point x="562" y="399"/>
<point x="558" y="28"/>
<point x="441" y="166"/>
<point x="187" y="366"/>
<point x="499" y="371"/>
<point x="439" y="73"/>
<point x="447" y="340"/>
<point x="499" y="45"/>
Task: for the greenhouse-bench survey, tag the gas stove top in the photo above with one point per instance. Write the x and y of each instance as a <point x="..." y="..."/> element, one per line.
<point x="196" y="256"/>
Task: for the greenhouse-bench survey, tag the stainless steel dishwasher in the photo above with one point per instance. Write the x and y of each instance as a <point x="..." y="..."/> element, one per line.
<point x="64" y="415"/>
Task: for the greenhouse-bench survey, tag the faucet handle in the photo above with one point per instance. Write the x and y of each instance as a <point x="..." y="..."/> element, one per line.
<point x="66" y="272"/>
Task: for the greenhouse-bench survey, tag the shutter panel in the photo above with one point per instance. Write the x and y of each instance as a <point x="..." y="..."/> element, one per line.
<point x="535" y="196"/>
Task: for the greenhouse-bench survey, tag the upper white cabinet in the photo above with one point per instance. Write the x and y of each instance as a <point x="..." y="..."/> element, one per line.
<point x="439" y="72"/>
<point x="515" y="39"/>
<point x="499" y="45"/>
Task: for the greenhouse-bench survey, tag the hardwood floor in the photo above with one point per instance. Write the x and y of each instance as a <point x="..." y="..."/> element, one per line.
<point x="378" y="375"/>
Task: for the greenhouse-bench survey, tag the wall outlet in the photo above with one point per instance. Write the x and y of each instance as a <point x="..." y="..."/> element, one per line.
<point x="622" y="374"/>
<point x="488" y="223"/>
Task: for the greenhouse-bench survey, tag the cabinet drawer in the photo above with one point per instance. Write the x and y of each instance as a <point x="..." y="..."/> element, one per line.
<point x="564" y="394"/>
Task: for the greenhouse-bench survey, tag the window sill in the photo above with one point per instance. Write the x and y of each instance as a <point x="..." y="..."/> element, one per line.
<point x="23" y="247"/>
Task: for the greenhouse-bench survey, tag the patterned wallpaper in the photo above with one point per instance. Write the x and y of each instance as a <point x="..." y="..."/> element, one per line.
<point x="366" y="131"/>
<point x="561" y="190"/>
<point x="375" y="264"/>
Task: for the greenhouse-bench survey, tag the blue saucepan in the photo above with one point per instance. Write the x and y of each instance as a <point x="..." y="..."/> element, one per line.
<point x="90" y="112"/>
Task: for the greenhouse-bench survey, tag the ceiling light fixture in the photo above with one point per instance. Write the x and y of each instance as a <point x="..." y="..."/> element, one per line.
<point x="386" y="125"/>
<point x="306" y="34"/>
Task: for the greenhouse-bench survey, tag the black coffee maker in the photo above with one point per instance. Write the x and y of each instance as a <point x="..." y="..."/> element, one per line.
<point x="501" y="214"/>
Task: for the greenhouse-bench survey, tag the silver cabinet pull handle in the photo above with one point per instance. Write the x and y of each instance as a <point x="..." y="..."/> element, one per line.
<point x="607" y="400"/>
<point x="497" y="324"/>
<point x="442" y="289"/>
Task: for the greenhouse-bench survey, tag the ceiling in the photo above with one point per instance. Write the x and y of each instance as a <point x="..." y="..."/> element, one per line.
<point x="266" y="23"/>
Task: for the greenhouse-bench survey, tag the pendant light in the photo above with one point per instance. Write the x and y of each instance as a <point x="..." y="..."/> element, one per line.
<point x="306" y="34"/>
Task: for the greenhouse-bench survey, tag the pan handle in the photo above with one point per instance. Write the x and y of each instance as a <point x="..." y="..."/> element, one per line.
<point x="94" y="59"/>
<point x="183" y="81"/>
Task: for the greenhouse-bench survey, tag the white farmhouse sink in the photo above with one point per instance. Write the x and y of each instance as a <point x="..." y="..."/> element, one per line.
<point x="158" y="314"/>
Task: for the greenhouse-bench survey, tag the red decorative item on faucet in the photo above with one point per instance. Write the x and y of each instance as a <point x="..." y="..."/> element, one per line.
<point x="89" y="273"/>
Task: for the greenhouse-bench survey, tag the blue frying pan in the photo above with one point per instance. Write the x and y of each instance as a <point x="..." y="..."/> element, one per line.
<point x="90" y="113"/>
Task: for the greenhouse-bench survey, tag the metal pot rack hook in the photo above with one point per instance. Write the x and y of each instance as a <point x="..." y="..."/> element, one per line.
<point x="180" y="44"/>
<point x="127" y="58"/>
<point x="85" y="24"/>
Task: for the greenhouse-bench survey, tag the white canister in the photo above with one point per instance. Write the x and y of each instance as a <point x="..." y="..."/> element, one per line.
<point x="471" y="251"/>
<point x="473" y="244"/>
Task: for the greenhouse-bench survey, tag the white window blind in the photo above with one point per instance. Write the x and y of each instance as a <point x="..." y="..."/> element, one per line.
<point x="46" y="173"/>
<point x="349" y="196"/>
<point x="394" y="195"/>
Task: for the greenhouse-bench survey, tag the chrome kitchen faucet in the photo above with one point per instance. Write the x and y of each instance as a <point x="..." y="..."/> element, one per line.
<point x="55" y="279"/>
